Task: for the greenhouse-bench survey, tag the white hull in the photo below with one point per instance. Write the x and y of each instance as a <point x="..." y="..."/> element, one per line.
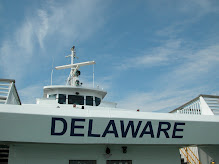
<point x="33" y="123"/>
<point x="61" y="154"/>
<point x="28" y="132"/>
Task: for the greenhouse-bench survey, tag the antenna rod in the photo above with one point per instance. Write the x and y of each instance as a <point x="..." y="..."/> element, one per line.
<point x="93" y="76"/>
<point x="72" y="70"/>
<point x="51" y="76"/>
<point x="52" y="70"/>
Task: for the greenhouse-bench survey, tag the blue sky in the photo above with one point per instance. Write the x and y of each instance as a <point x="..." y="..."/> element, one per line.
<point x="151" y="55"/>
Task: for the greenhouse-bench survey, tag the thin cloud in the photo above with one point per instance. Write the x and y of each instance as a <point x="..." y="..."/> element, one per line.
<point x="197" y="8"/>
<point x="199" y="64"/>
<point x="29" y="94"/>
<point x="200" y="7"/>
<point x="162" y="55"/>
<point x="163" y="101"/>
<point x="42" y="27"/>
<point x="18" y="52"/>
<point x="196" y="65"/>
<point x="75" y="19"/>
<point x="66" y="22"/>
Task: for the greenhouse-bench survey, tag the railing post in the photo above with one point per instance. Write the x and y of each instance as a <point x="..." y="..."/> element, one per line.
<point x="187" y="156"/>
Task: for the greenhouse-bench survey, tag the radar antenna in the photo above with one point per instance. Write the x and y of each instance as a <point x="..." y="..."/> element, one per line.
<point x="74" y="73"/>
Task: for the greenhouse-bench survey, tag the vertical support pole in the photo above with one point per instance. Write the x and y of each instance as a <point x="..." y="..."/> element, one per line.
<point x="52" y="69"/>
<point x="72" y="80"/>
<point x="187" y="156"/>
<point x="51" y="76"/>
<point x="93" y="75"/>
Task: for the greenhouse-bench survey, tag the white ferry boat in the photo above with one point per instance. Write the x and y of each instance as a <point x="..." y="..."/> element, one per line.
<point x="72" y="124"/>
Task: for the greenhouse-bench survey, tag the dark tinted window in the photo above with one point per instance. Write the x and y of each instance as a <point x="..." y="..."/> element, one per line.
<point x="82" y="162"/>
<point x="75" y="99"/>
<point x="97" y="101"/>
<point x="119" y="162"/>
<point x="89" y="100"/>
<point x="62" y="99"/>
<point x="52" y="97"/>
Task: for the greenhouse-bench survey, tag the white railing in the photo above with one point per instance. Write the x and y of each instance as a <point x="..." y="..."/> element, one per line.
<point x="8" y="92"/>
<point x="193" y="108"/>
<point x="213" y="104"/>
<point x="190" y="155"/>
<point x="4" y="90"/>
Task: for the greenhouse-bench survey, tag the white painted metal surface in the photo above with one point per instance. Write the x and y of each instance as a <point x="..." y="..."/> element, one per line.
<point x="8" y="92"/>
<point x="201" y="105"/>
<point x="75" y="65"/>
<point x="193" y="108"/>
<point x="213" y="104"/>
<point x="61" y="154"/>
<point x="28" y="128"/>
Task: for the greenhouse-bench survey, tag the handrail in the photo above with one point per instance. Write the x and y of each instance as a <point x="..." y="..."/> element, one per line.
<point x="191" y="158"/>
<point x="7" y="80"/>
<point x="195" y="156"/>
<point x="185" y="156"/>
<point x="10" y="92"/>
<point x="8" y="87"/>
<point x="186" y="153"/>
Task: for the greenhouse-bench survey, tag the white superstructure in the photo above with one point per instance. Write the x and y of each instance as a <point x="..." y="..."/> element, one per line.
<point x="71" y="124"/>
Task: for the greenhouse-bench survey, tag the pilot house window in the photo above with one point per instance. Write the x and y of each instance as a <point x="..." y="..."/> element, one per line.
<point x="52" y="97"/>
<point x="82" y="162"/>
<point x="75" y="99"/>
<point x="97" y="101"/>
<point x="89" y="100"/>
<point x="62" y="99"/>
<point x="119" y="162"/>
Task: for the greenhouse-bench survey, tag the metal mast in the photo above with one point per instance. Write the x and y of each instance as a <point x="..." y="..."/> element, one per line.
<point x="74" y="73"/>
<point x="72" y="69"/>
<point x="71" y="79"/>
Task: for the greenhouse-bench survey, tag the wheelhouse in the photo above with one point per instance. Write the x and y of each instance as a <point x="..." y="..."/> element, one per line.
<point x="72" y="95"/>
